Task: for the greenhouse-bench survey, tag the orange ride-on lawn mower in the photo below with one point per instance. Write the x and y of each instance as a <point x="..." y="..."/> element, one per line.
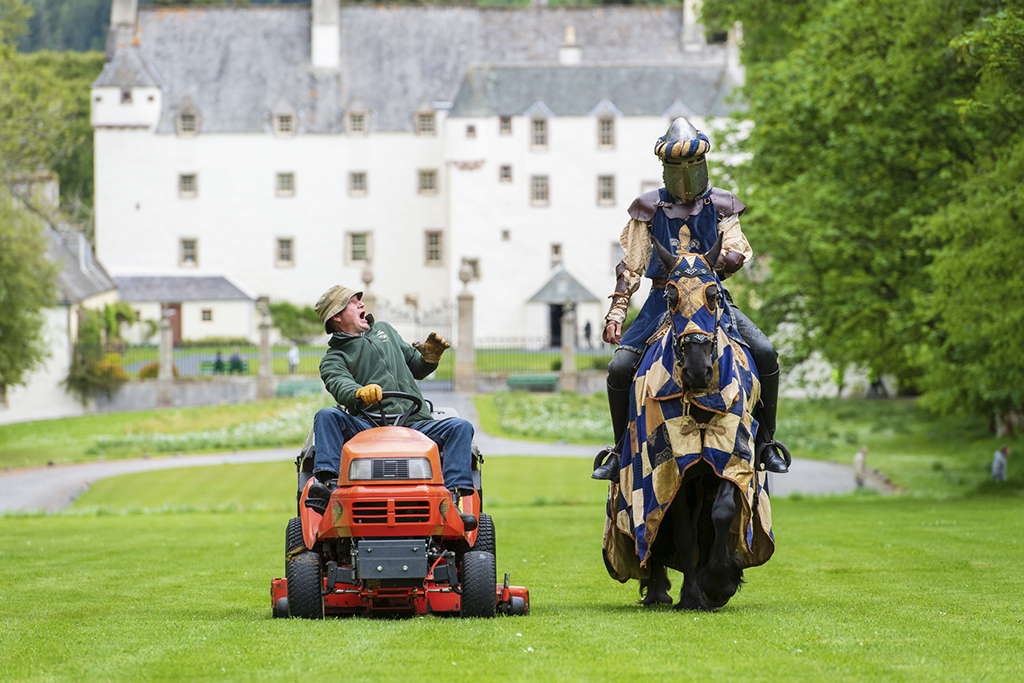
<point x="391" y="540"/>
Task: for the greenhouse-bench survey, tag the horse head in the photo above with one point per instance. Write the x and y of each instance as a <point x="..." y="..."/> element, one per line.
<point x="694" y="298"/>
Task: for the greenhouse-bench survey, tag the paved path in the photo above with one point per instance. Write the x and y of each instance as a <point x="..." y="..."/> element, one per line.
<point x="54" y="488"/>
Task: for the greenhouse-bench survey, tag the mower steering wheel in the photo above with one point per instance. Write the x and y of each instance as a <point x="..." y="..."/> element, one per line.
<point x="400" y="420"/>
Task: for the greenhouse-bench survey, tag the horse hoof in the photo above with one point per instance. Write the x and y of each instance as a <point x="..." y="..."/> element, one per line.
<point x="656" y="599"/>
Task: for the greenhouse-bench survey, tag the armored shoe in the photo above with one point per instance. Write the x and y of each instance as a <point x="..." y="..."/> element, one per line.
<point x="773" y="456"/>
<point x="469" y="521"/>
<point x="606" y="465"/>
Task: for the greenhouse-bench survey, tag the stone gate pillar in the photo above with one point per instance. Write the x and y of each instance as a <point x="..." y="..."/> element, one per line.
<point x="465" y="350"/>
<point x="265" y="380"/>
<point x="568" y="380"/>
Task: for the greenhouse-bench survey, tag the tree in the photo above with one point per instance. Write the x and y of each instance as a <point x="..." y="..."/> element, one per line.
<point x="26" y="275"/>
<point x="26" y="288"/>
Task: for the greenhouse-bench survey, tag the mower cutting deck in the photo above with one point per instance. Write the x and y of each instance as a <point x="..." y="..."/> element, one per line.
<point x="391" y="539"/>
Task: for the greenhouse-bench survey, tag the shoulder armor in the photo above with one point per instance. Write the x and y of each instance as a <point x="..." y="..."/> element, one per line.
<point x="644" y="206"/>
<point x="726" y="203"/>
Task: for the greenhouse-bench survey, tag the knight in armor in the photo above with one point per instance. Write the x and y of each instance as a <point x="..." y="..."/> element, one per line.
<point x="686" y="215"/>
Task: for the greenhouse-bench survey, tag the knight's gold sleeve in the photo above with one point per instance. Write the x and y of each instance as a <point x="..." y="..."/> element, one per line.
<point x="733" y="239"/>
<point x="636" y="254"/>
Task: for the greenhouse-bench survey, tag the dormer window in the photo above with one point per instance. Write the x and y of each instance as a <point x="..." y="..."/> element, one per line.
<point x="284" y="124"/>
<point x="188" y="119"/>
<point x="606" y="133"/>
<point x="188" y="123"/>
<point x="126" y="96"/>
<point x="425" y="124"/>
<point x="357" y="123"/>
<point x="539" y="139"/>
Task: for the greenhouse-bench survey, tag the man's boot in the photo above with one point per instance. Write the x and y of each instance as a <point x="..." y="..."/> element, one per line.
<point x="618" y="405"/>
<point x="767" y="455"/>
<point x="469" y="521"/>
<point x="319" y="495"/>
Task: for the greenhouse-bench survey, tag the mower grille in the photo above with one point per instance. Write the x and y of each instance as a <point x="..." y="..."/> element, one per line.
<point x="412" y="511"/>
<point x="391" y="469"/>
<point x="370" y="512"/>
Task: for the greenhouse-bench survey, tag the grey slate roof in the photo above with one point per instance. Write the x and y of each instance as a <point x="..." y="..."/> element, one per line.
<point x="178" y="288"/>
<point x="128" y="68"/>
<point x="235" y="63"/>
<point x="560" y="288"/>
<point x="576" y="90"/>
<point x="80" y="276"/>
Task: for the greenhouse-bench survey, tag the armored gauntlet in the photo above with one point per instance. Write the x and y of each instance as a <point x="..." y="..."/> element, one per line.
<point x="431" y="349"/>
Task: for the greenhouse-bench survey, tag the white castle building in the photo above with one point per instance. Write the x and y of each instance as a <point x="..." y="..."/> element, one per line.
<point x="285" y="148"/>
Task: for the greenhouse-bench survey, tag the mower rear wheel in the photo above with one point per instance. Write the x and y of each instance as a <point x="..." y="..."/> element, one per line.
<point x="478" y="578"/>
<point x="293" y="538"/>
<point x="305" y="586"/>
<point x="485" y="539"/>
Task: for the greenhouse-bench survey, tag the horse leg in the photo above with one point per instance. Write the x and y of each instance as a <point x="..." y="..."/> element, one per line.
<point x="654" y="590"/>
<point x="685" y="537"/>
<point x="723" y="574"/>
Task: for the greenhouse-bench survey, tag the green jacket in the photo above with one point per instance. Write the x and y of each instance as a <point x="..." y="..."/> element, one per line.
<point x="377" y="356"/>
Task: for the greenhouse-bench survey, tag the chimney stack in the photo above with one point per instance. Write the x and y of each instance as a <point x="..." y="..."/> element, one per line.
<point x="124" y="13"/>
<point x="325" y="49"/>
<point x="570" y="54"/>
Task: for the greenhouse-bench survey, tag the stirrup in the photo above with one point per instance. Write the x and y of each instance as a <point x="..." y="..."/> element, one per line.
<point x="607" y="464"/>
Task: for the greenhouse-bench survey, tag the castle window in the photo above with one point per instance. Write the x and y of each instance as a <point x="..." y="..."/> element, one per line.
<point x="358" y="247"/>
<point x="505" y="174"/>
<point x="540" y="134"/>
<point x="188" y="186"/>
<point x="126" y="96"/>
<point x="606" y="133"/>
<point x="505" y="125"/>
<point x="539" y="190"/>
<point x="606" y="190"/>
<point x="556" y="255"/>
<point x="189" y="253"/>
<point x="357" y="124"/>
<point x="285" y="184"/>
<point x="357" y="184"/>
<point x="471" y="131"/>
<point x="435" y="255"/>
<point x="425" y="124"/>
<point x="285" y="253"/>
<point x="207" y="315"/>
<point x="428" y="182"/>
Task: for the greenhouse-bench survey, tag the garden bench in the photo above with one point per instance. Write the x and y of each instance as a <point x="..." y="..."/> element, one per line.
<point x="536" y="382"/>
<point x="206" y="367"/>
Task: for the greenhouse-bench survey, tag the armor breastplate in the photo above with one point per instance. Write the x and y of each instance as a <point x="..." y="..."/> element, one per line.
<point x="699" y="235"/>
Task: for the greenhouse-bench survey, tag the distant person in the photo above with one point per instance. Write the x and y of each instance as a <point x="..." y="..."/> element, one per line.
<point x="293" y="358"/>
<point x="235" y="364"/>
<point x="860" y="469"/>
<point x="587" y="331"/>
<point x="999" y="464"/>
<point x="218" y="364"/>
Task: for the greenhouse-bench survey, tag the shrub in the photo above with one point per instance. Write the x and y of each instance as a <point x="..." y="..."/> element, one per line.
<point x="91" y="378"/>
<point x="152" y="370"/>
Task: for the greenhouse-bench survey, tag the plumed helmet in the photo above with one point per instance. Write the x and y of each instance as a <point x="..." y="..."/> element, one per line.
<point x="682" y="150"/>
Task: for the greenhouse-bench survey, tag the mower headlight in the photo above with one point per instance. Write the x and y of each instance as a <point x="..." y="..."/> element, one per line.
<point x="360" y="469"/>
<point x="419" y="468"/>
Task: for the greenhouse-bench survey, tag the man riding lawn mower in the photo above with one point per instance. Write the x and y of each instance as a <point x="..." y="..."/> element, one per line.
<point x="389" y="515"/>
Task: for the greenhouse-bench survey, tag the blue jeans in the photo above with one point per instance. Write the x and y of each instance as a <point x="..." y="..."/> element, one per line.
<point x="332" y="427"/>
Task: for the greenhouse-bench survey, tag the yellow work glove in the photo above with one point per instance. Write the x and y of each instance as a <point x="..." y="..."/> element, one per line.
<point x="370" y="394"/>
<point x="431" y="349"/>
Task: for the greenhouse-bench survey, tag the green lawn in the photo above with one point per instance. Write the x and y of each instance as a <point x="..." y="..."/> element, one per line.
<point x="860" y="588"/>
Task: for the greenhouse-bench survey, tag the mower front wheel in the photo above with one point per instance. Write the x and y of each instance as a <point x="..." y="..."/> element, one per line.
<point x="305" y="586"/>
<point x="478" y="578"/>
<point x="293" y="538"/>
